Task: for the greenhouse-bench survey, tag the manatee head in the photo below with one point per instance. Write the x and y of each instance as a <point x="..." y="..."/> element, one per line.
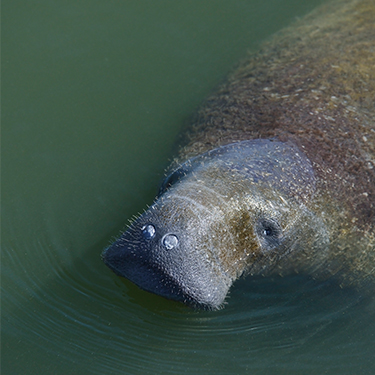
<point x="237" y="209"/>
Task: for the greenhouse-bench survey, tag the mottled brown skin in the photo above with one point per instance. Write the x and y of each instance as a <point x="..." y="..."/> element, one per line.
<point x="313" y="84"/>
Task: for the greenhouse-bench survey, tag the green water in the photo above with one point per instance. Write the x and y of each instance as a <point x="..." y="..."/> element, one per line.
<point x="94" y="94"/>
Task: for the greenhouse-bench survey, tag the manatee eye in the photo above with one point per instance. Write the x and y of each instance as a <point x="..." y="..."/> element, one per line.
<point x="270" y="232"/>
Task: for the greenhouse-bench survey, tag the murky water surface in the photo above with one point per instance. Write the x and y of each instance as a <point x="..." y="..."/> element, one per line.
<point x="94" y="94"/>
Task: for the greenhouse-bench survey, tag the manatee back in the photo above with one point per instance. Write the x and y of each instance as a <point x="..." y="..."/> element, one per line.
<point x="313" y="84"/>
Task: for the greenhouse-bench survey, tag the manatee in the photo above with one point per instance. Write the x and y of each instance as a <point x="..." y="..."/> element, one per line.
<point x="276" y="174"/>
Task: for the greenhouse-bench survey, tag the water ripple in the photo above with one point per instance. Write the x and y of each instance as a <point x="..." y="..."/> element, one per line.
<point x="77" y="310"/>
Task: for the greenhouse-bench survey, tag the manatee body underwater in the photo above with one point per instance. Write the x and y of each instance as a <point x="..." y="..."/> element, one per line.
<point x="275" y="176"/>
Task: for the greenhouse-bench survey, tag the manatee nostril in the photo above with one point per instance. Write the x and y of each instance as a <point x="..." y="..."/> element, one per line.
<point x="148" y="231"/>
<point x="169" y="241"/>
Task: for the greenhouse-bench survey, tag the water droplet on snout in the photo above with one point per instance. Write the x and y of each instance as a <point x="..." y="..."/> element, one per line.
<point x="169" y="241"/>
<point x="148" y="231"/>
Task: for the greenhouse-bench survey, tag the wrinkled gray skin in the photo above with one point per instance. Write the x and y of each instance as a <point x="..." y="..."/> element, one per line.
<point x="240" y="208"/>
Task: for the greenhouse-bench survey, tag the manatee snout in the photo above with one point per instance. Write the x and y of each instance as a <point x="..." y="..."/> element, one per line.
<point x="163" y="252"/>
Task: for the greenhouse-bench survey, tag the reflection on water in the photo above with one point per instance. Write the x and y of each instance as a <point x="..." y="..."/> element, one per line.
<point x="107" y="324"/>
<point x="96" y="93"/>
